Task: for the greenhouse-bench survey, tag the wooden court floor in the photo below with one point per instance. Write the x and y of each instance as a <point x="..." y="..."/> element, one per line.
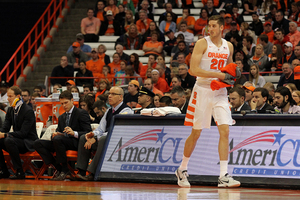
<point x="74" y="190"/>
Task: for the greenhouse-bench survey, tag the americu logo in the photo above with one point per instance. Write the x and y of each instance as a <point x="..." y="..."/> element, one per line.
<point x="160" y="150"/>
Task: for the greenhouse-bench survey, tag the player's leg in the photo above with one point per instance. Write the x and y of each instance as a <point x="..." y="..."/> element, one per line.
<point x="189" y="147"/>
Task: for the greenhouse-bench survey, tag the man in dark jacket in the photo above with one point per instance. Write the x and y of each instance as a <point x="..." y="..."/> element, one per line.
<point x="256" y="25"/>
<point x="110" y="26"/>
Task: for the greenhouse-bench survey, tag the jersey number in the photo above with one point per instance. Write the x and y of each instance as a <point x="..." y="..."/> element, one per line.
<point x="217" y="64"/>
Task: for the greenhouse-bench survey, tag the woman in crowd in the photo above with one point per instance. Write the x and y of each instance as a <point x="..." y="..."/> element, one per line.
<point x="115" y="64"/>
<point x="275" y="58"/>
<point x="135" y="62"/>
<point x="111" y="5"/>
<point x="245" y="31"/>
<point x="106" y="73"/>
<point x="291" y="86"/>
<point x="120" y="73"/>
<point x="152" y="29"/>
<point x="102" y="56"/>
<point x="128" y="20"/>
<point x="128" y="4"/>
<point x="167" y="24"/>
<point x="255" y="78"/>
<point x="249" y="7"/>
<point x="103" y="88"/>
<point x="83" y="72"/>
<point x="86" y="102"/>
<point x="156" y="100"/>
<point x="201" y="22"/>
<point x="74" y="89"/>
<point x="296" y="96"/>
<point x="259" y="58"/>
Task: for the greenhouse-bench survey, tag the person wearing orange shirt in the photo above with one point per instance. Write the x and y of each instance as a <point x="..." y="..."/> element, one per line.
<point x="188" y="57"/>
<point x="153" y="46"/>
<point x="144" y="22"/>
<point x="151" y="64"/>
<point x="149" y="85"/>
<point x="190" y="20"/>
<point x="101" y="54"/>
<point x="201" y="22"/>
<point x="268" y="31"/>
<point x="95" y="65"/>
<point x="99" y="12"/>
<point x="112" y="6"/>
<point x="281" y="38"/>
<point x="228" y="20"/>
<point x="110" y="26"/>
<point x="159" y="82"/>
<point x="294" y="34"/>
<point x="115" y="65"/>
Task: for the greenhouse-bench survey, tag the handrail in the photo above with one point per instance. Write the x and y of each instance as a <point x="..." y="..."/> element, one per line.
<point x="16" y="63"/>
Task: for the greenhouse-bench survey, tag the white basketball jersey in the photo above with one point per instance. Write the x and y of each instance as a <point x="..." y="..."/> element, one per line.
<point x="214" y="59"/>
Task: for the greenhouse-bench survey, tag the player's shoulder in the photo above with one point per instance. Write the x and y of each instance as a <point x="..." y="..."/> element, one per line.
<point x="201" y="42"/>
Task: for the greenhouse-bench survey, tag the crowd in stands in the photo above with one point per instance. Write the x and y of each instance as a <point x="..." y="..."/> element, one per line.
<point x="126" y="85"/>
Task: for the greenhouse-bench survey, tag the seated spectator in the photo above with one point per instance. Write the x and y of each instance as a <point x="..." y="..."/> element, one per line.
<point x="90" y="27"/>
<point x="95" y="65"/>
<point x="185" y="4"/>
<point x="153" y="47"/>
<point x="256" y="25"/>
<point x="233" y="32"/>
<point x="111" y="5"/>
<point x="120" y="17"/>
<point x="165" y="101"/>
<point x="115" y="64"/>
<point x="291" y="86"/>
<point x="75" y="89"/>
<point x="62" y="70"/>
<point x="33" y="96"/>
<point x="294" y="34"/>
<point x="145" y="99"/>
<point x="271" y="88"/>
<point x="168" y="45"/>
<point x="259" y="101"/>
<point x="284" y="102"/>
<point x="297" y="51"/>
<point x="289" y="55"/>
<point x="187" y="81"/>
<point x="83" y="72"/>
<point x="143" y="23"/>
<point x="146" y="7"/>
<point x="181" y="49"/>
<point x="255" y="78"/>
<point x="235" y="14"/>
<point x="236" y="41"/>
<point x="69" y="84"/>
<point x="189" y="37"/>
<point x="159" y="82"/>
<point x="210" y="8"/>
<point x="237" y="100"/>
<point x="25" y="94"/>
<point x="120" y="73"/>
<point x="266" y="6"/>
<point x="123" y="56"/>
<point x="293" y="13"/>
<point x="156" y="100"/>
<point x="249" y="88"/>
<point x="100" y="108"/>
<point x="21" y="117"/>
<point x="176" y="81"/>
<point x="174" y="72"/>
<point x="88" y="89"/>
<point x="188" y="57"/>
<point x="263" y="40"/>
<point x="245" y="31"/>
<point x="275" y="58"/>
<point x="268" y="31"/>
<point x="165" y="4"/>
<point x="95" y="140"/>
<point x="201" y="22"/>
<point x="131" y="98"/>
<point x="106" y="73"/>
<point x="39" y="89"/>
<point x="228" y="21"/>
<point x="280" y="38"/>
<point x="76" y="56"/>
<point x="189" y="20"/>
<point x="175" y="49"/>
<point x="215" y="3"/>
<point x="131" y="40"/>
<point x="101" y="54"/>
<point x="129" y="72"/>
<point x="103" y="88"/>
<point x="168" y="6"/>
<point x="178" y="97"/>
<point x="249" y="7"/>
<point x="243" y="78"/>
<point x="72" y="124"/>
<point x="128" y="20"/>
<point x="110" y="26"/>
<point x="240" y="55"/>
<point x="296" y="97"/>
<point x="86" y="102"/>
<point x="128" y="5"/>
<point x="167" y="24"/>
<point x="287" y="75"/>
<point x="99" y="11"/>
<point x="281" y="22"/>
<point x="259" y="59"/>
<point x="153" y="28"/>
<point x="84" y="47"/>
<point x="164" y="71"/>
<point x="248" y="46"/>
<point x="135" y="63"/>
<point x="151" y="64"/>
<point x="149" y="85"/>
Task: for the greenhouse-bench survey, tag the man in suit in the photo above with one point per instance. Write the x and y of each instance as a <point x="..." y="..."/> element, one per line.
<point x="259" y="101"/>
<point x="21" y="117"/>
<point x="72" y="124"/>
<point x="237" y="100"/>
<point x="178" y="97"/>
<point x="94" y="141"/>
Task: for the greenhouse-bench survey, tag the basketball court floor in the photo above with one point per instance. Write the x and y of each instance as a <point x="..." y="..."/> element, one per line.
<point x="73" y="190"/>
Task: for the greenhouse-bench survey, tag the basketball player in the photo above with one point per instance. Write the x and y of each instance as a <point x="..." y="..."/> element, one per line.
<point x="210" y="54"/>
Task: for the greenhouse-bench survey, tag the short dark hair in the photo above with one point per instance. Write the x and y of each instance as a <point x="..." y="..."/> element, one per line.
<point x="99" y="104"/>
<point x="238" y="90"/>
<point x="264" y="38"/>
<point x="179" y="90"/>
<point x="165" y="99"/>
<point x="285" y="91"/>
<point x="181" y="42"/>
<point x="249" y="39"/>
<point x="16" y="90"/>
<point x="38" y="87"/>
<point x="26" y="90"/>
<point x="88" y="86"/>
<point x="280" y="30"/>
<point x="66" y="95"/>
<point x="217" y="18"/>
<point x="272" y="7"/>
<point x="264" y="92"/>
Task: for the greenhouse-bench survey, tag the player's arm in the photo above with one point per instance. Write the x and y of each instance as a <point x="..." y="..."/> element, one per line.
<point x="230" y="60"/>
<point x="199" y="50"/>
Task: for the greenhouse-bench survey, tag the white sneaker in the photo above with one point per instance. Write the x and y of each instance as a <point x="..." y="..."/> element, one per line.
<point x="182" y="178"/>
<point x="228" y="181"/>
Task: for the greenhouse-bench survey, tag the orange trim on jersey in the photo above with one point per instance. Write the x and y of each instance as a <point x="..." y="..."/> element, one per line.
<point x="188" y="123"/>
<point x="189" y="116"/>
<point x="194" y="101"/>
<point x="216" y="123"/>
<point x="192" y="109"/>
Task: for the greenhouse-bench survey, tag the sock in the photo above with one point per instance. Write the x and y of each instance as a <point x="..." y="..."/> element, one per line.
<point x="223" y="167"/>
<point x="184" y="163"/>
